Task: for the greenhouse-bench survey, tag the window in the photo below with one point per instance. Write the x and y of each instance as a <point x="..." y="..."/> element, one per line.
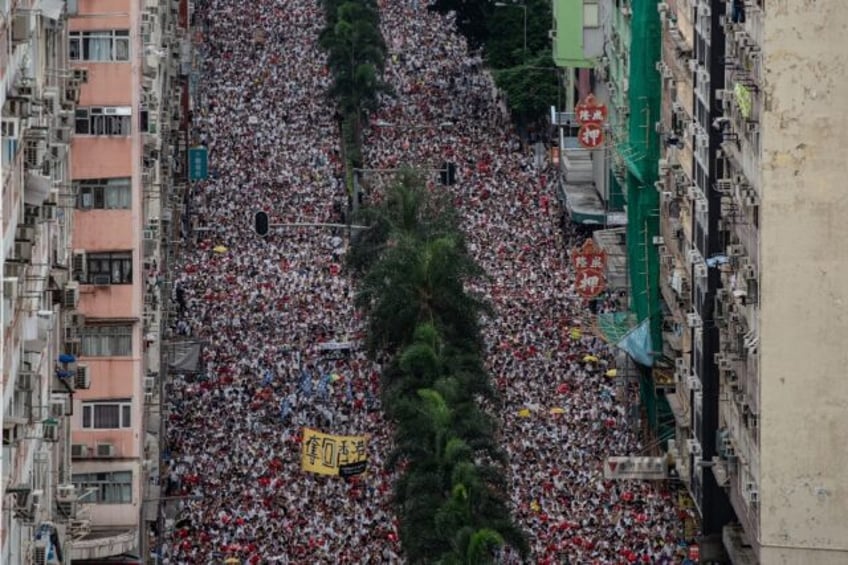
<point x="103" y="121"/>
<point x="105" y="488"/>
<point x="110" y="45"/>
<point x="9" y="134"/>
<point x="107" y="268"/>
<point x="104" y="194"/>
<point x="591" y="14"/>
<point x="112" y="415"/>
<point x="102" y="340"/>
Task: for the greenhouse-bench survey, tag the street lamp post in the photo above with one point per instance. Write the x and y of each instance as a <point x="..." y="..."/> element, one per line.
<point x="523" y="7"/>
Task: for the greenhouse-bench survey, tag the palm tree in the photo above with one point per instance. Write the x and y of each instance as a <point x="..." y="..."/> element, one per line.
<point x="356" y="54"/>
<point x="446" y="493"/>
<point x="406" y="210"/>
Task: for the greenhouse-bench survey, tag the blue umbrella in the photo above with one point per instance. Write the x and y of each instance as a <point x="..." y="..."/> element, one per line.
<point x="67" y="358"/>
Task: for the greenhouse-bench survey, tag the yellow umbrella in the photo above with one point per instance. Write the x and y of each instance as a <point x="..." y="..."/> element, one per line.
<point x="590" y="359"/>
<point x="612" y="373"/>
<point x="231" y="561"/>
<point x="534" y="506"/>
<point x="524" y="413"/>
<point x="576" y="333"/>
<point x="219" y="249"/>
<point x="557" y="410"/>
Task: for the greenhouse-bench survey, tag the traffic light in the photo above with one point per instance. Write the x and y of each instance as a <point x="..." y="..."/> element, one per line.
<point x="261" y="224"/>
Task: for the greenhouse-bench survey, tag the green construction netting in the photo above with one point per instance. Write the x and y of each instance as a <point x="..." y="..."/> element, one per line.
<point x="642" y="156"/>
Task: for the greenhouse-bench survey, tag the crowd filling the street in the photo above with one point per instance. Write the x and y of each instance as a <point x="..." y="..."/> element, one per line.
<point x="266" y="309"/>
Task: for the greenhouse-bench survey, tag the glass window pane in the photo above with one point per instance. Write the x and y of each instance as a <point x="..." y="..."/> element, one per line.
<point x="99" y="198"/>
<point x="126" y="421"/>
<point x="106" y="416"/>
<point x="591" y="17"/>
<point x="125" y="197"/>
<point x="86" y="416"/>
<point x="74" y="49"/>
<point x="111" y="198"/>
<point x="86" y="198"/>
<point x="122" y="49"/>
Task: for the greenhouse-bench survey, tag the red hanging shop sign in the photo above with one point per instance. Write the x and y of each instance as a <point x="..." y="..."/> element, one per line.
<point x="589" y="262"/>
<point x="591" y="115"/>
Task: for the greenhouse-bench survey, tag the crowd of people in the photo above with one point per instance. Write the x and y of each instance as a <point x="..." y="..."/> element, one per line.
<point x="265" y="308"/>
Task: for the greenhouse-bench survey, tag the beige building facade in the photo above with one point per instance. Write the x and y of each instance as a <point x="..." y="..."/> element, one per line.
<point x="770" y="283"/>
<point x="803" y="393"/>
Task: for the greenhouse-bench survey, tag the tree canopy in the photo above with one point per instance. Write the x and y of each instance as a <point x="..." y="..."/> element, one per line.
<point x="413" y="270"/>
<point x="528" y="78"/>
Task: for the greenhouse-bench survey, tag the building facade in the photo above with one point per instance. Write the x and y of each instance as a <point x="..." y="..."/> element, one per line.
<point x="122" y="177"/>
<point x="40" y="518"/>
<point x="749" y="208"/>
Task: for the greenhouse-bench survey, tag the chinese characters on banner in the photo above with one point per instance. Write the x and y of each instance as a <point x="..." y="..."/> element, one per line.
<point x="328" y="454"/>
<point x="591" y="116"/>
<point x="589" y="262"/>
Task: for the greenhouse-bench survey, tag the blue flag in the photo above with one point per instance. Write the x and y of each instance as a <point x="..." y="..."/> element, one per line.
<point x="267" y="379"/>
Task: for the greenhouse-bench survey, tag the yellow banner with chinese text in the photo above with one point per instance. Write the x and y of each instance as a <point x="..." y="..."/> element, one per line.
<point x="328" y="454"/>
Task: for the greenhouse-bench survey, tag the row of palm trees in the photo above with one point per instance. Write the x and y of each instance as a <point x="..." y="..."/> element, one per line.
<point x="356" y="56"/>
<point x="413" y="271"/>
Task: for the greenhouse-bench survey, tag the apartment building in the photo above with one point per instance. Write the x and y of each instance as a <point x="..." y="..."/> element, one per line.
<point x="40" y="517"/>
<point x="676" y="170"/>
<point x="692" y="243"/>
<point x="753" y="273"/>
<point x="121" y="168"/>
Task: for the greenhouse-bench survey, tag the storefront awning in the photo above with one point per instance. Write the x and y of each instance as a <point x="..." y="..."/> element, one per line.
<point x="104" y="544"/>
<point x="583" y="204"/>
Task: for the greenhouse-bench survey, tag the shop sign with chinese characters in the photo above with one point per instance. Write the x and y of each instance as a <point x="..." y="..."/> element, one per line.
<point x="589" y="256"/>
<point x="591" y="115"/>
<point x="589" y="262"/>
<point x="589" y="283"/>
<point x="635" y="468"/>
<point x="590" y="111"/>
<point x="591" y="136"/>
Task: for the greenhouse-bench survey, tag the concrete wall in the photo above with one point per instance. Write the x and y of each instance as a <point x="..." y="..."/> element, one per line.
<point x="804" y="278"/>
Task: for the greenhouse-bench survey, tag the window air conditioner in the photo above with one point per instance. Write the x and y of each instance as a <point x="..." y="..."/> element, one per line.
<point x="693" y="320"/>
<point x="105" y="450"/>
<point x="82" y="378"/>
<point x="70" y="296"/>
